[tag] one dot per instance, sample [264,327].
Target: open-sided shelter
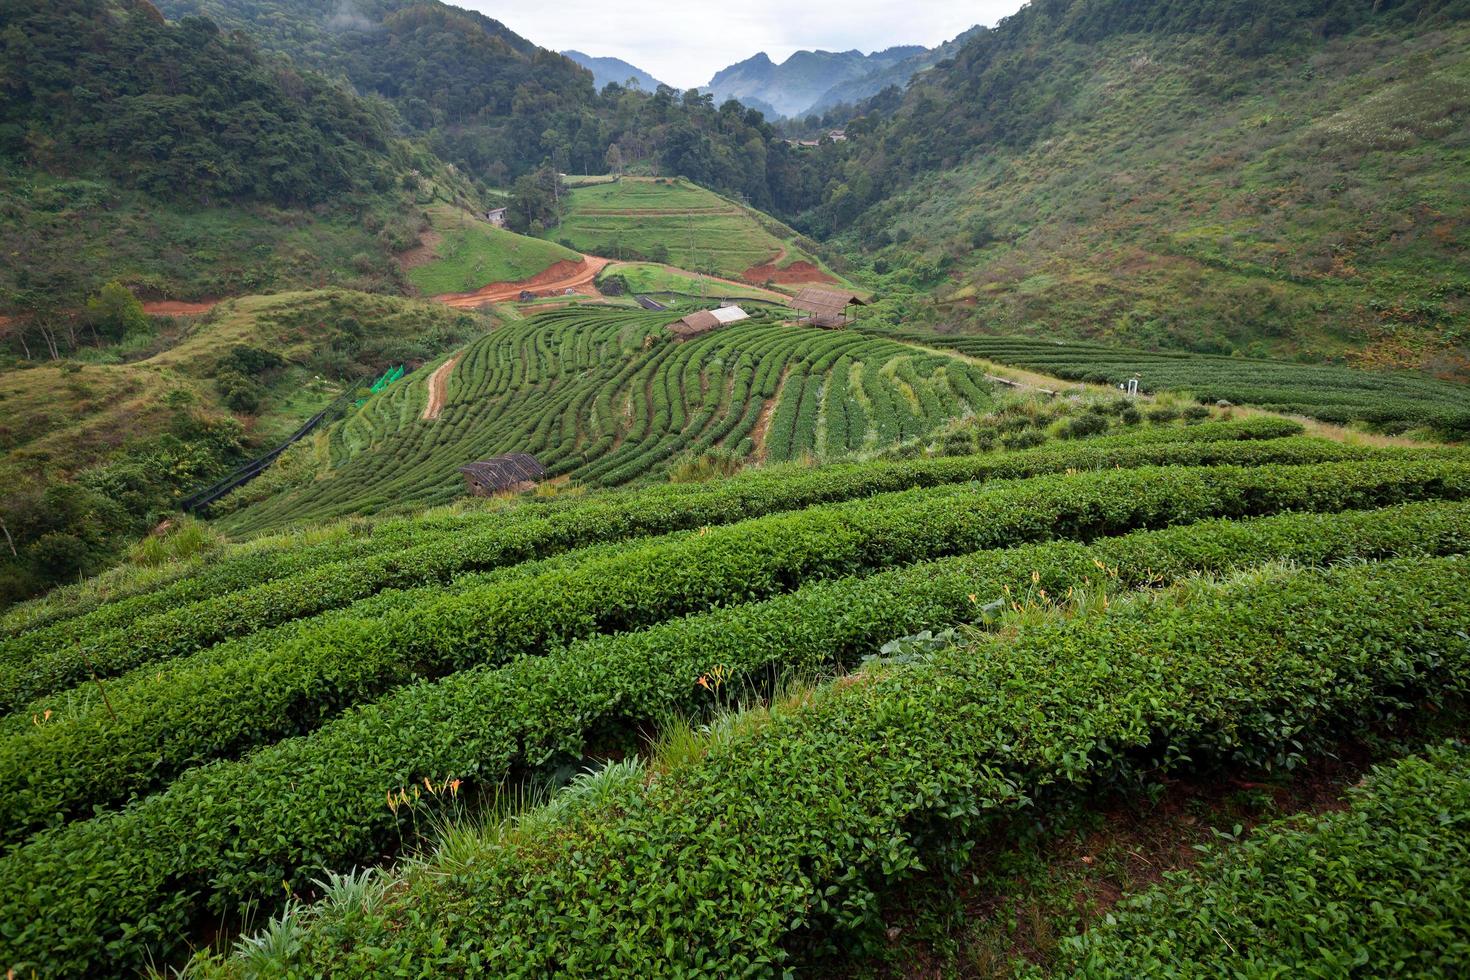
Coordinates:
[825,307]
[503,474]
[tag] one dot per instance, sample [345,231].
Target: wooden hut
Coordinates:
[503,474]
[704,321]
[825,307]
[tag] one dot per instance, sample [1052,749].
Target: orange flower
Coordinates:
[702,682]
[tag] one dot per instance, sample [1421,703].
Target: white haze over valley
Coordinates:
[684,42]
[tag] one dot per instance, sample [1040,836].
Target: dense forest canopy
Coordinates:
[499,107]
[177,109]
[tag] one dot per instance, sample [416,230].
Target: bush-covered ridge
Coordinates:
[792,819]
[124,882]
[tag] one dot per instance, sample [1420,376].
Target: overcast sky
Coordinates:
[684,42]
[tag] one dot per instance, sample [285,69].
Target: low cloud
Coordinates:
[347,17]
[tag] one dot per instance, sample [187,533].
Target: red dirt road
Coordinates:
[564,275]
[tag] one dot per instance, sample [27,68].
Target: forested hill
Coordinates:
[1267,178]
[180,110]
[484,93]
[497,106]
[1011,85]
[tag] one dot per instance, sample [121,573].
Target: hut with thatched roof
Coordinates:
[826,308]
[503,474]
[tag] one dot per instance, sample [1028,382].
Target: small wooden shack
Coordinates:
[704,321]
[827,308]
[503,474]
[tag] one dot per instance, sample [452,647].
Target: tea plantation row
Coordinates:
[535,527]
[1385,883]
[608,397]
[794,818]
[1389,401]
[161,719]
[111,893]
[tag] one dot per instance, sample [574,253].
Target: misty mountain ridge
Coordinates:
[794,86]
[606,71]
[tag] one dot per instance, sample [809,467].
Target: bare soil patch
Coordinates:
[795,274]
[426,251]
[438,386]
[559,277]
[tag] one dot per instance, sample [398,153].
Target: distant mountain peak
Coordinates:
[805,80]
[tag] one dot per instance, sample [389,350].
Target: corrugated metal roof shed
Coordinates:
[730,314]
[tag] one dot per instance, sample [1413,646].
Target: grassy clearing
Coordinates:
[671,221]
[652,277]
[468,253]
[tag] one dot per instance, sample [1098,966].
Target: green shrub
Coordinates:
[1023,439]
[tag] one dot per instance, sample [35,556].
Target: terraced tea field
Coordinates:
[684,225]
[1385,401]
[338,712]
[606,397]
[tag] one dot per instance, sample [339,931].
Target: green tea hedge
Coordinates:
[1381,888]
[796,819]
[752,559]
[108,893]
[161,720]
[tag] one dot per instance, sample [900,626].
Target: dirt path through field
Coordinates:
[438,387]
[763,420]
[560,277]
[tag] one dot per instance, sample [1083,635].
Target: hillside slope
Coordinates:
[1186,176]
[680,223]
[608,397]
[402,670]
[182,162]
[97,452]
